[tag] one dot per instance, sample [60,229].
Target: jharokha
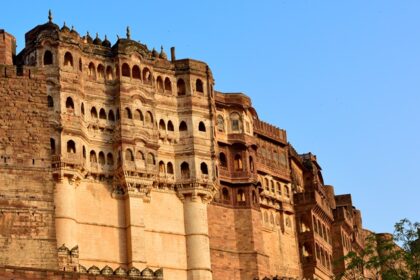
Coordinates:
[117,162]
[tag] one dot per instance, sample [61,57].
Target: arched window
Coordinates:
[102,114]
[52,146]
[80,65]
[170,168]
[93,158]
[204,169]
[151,159]
[117,117]
[238,162]
[185,170]
[222,159]
[183,126]
[84,152]
[101,71]
[68,59]
[235,122]
[149,118]
[50,102]
[48,58]
[129,155]
[69,103]
[286,190]
[201,127]
[161,167]
[71,147]
[266,184]
[220,123]
[136,72]
[125,70]
[109,73]
[168,85]
[251,164]
[162,125]
[199,86]
[111,116]
[128,113]
[82,108]
[180,85]
[109,159]
[138,115]
[147,76]
[254,198]
[92,72]
[140,156]
[240,196]
[225,194]
[101,158]
[278,188]
[170,126]
[93,113]
[272,186]
[159,84]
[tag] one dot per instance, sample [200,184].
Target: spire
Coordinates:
[50,16]
[128,33]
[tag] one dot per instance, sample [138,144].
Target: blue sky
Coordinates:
[342,77]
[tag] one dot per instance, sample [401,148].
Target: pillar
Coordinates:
[65,216]
[197,238]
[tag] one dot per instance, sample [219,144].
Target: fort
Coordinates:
[119,162]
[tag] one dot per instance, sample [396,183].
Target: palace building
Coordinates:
[119,162]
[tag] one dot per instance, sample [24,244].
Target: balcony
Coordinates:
[270,131]
[237,176]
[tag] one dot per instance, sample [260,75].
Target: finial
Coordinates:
[106,38]
[161,48]
[97,36]
[72,28]
[128,33]
[118,37]
[50,15]
[64,24]
[87,33]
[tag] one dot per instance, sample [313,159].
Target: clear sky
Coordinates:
[342,77]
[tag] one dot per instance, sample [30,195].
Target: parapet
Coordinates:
[270,131]
[343,200]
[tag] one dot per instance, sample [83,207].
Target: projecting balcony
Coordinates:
[237,176]
[241,138]
[313,199]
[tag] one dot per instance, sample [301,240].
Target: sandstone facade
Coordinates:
[118,160]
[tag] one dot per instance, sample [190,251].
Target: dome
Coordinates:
[88,38]
[97,41]
[65,28]
[106,43]
[162,53]
[154,53]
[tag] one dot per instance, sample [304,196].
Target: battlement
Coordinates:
[270,131]
[21,71]
[7,48]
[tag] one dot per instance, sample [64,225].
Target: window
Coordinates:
[162,125]
[93,158]
[69,103]
[225,194]
[235,122]
[138,115]
[168,85]
[220,123]
[128,113]
[84,152]
[50,102]
[222,159]
[180,85]
[80,65]
[170,168]
[110,159]
[129,155]
[101,158]
[92,72]
[183,126]
[139,155]
[48,58]
[159,84]
[161,167]
[136,72]
[101,71]
[52,146]
[102,114]
[93,113]
[201,127]
[125,70]
[254,197]
[170,126]
[111,116]
[147,76]
[204,169]
[151,159]
[199,86]
[286,191]
[251,164]
[185,170]
[149,118]
[238,162]
[82,108]
[68,59]
[109,73]
[71,147]
[240,196]
[278,188]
